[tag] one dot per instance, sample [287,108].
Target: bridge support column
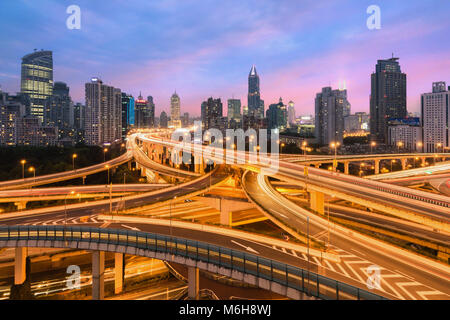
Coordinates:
[226,216]
[317,202]
[98,275]
[423,160]
[193,283]
[21,205]
[317,165]
[377,166]
[346,167]
[129,165]
[403,164]
[20,263]
[118,272]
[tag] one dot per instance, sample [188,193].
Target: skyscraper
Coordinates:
[234,109]
[37,80]
[388,97]
[103,113]
[163,121]
[291,112]
[127,113]
[254,95]
[59,110]
[144,113]
[277,116]
[435,118]
[212,111]
[151,112]
[329,119]
[175,110]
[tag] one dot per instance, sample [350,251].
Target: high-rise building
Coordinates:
[185,120]
[329,119]
[37,80]
[59,110]
[291,112]
[388,97]
[405,134]
[151,112]
[127,113]
[163,121]
[435,118]
[356,122]
[79,117]
[144,113]
[175,110]
[212,112]
[277,116]
[11,111]
[254,95]
[103,113]
[234,109]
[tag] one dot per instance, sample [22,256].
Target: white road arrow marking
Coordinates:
[132,228]
[245,247]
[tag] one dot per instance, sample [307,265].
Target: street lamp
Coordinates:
[32,169]
[335,145]
[399,145]
[73,161]
[420,145]
[372,144]
[22,162]
[304,144]
[438,145]
[104,154]
[107,167]
[392,161]
[282,145]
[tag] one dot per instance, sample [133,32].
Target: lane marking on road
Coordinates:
[132,228]
[245,247]
[383,280]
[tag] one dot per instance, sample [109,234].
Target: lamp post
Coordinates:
[107,167]
[304,144]
[282,145]
[73,161]
[104,154]
[22,162]
[438,145]
[335,145]
[32,169]
[399,145]
[372,144]
[420,145]
[392,161]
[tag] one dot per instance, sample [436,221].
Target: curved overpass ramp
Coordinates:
[266,273]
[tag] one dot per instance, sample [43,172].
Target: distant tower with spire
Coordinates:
[254,95]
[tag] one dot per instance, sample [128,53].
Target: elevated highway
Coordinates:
[398,265]
[66,175]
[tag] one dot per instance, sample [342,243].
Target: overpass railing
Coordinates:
[286,275]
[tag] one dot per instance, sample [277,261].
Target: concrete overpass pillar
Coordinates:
[20,263]
[202,165]
[129,165]
[403,163]
[346,167]
[118,272]
[317,165]
[21,205]
[317,201]
[226,216]
[377,166]
[193,283]
[98,275]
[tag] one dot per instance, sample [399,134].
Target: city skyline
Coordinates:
[202,62]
